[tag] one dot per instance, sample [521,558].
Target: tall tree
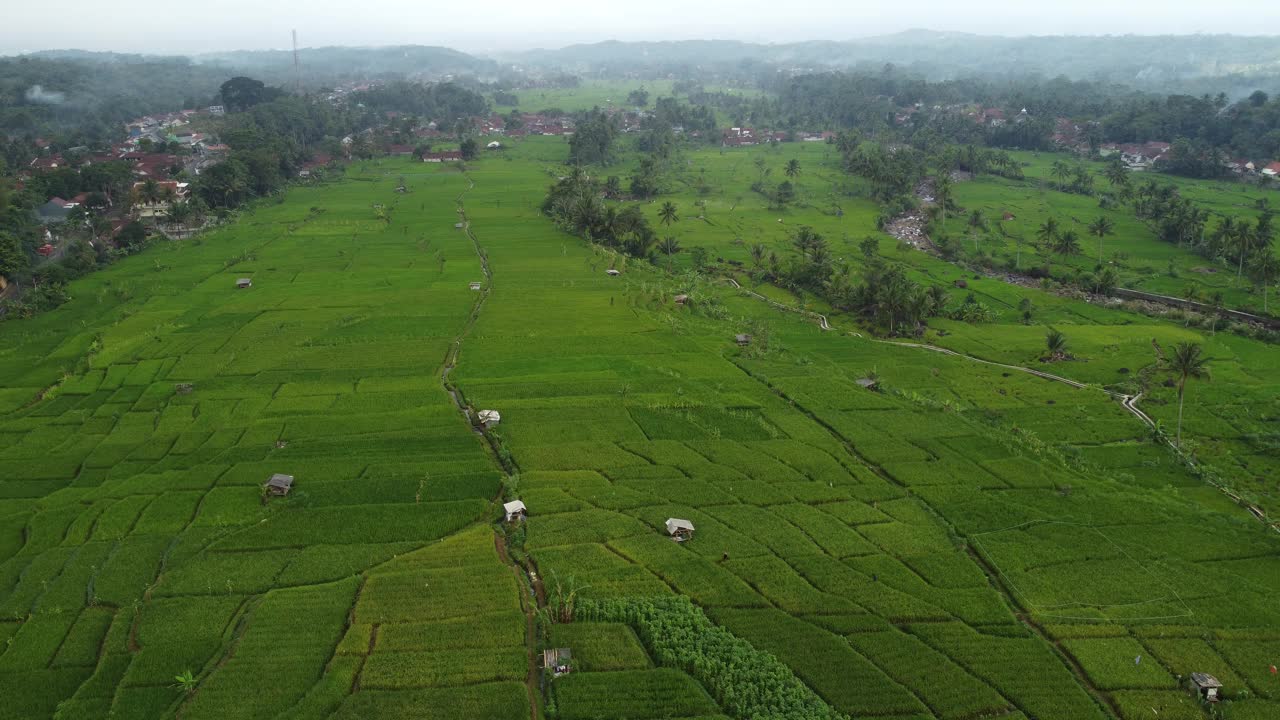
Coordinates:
[669,246]
[1265,268]
[1101,227]
[793,168]
[1060,172]
[1187,361]
[1066,244]
[668,214]
[977,224]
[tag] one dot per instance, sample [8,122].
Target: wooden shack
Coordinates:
[243,283]
[279,484]
[679,529]
[489,418]
[556,661]
[742,339]
[475,286]
[1205,686]
[613,272]
[682,299]
[867,383]
[514,511]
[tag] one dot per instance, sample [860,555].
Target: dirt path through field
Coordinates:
[529,597]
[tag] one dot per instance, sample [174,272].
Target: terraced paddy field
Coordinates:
[898,554]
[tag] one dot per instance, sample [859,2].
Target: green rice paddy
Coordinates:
[969,542]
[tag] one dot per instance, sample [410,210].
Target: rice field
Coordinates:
[968,542]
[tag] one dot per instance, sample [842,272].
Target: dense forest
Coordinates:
[1194,64]
[85,98]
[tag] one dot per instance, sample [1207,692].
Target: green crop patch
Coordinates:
[500,701]
[632,695]
[1064,570]
[456,666]
[1118,664]
[826,662]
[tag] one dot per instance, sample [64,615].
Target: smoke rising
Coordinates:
[38,94]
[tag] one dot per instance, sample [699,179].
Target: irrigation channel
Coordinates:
[1128,402]
[531,596]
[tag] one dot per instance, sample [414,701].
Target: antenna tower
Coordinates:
[297,74]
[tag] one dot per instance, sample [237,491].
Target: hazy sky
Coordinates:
[521,24]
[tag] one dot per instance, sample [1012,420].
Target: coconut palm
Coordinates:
[1264,268]
[1060,172]
[793,168]
[1117,174]
[977,224]
[1186,362]
[668,214]
[1243,243]
[945,196]
[1066,244]
[669,246]
[758,254]
[1048,231]
[1101,228]
[1056,343]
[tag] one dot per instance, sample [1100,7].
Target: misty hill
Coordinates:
[326,64]
[1147,62]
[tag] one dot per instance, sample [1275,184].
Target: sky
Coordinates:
[499,25]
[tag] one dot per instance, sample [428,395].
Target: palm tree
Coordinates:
[669,246]
[1056,343]
[793,168]
[149,193]
[1048,231]
[945,196]
[1186,362]
[977,223]
[1067,244]
[668,214]
[1264,268]
[1117,174]
[758,251]
[612,187]
[1101,227]
[1047,234]
[1243,242]
[1060,172]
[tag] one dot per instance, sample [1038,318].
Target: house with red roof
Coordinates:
[445,156]
[738,137]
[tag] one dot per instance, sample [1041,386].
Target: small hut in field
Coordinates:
[556,661]
[679,529]
[743,340]
[244,283]
[867,383]
[613,272]
[682,299]
[1205,686]
[475,286]
[489,418]
[514,511]
[279,484]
